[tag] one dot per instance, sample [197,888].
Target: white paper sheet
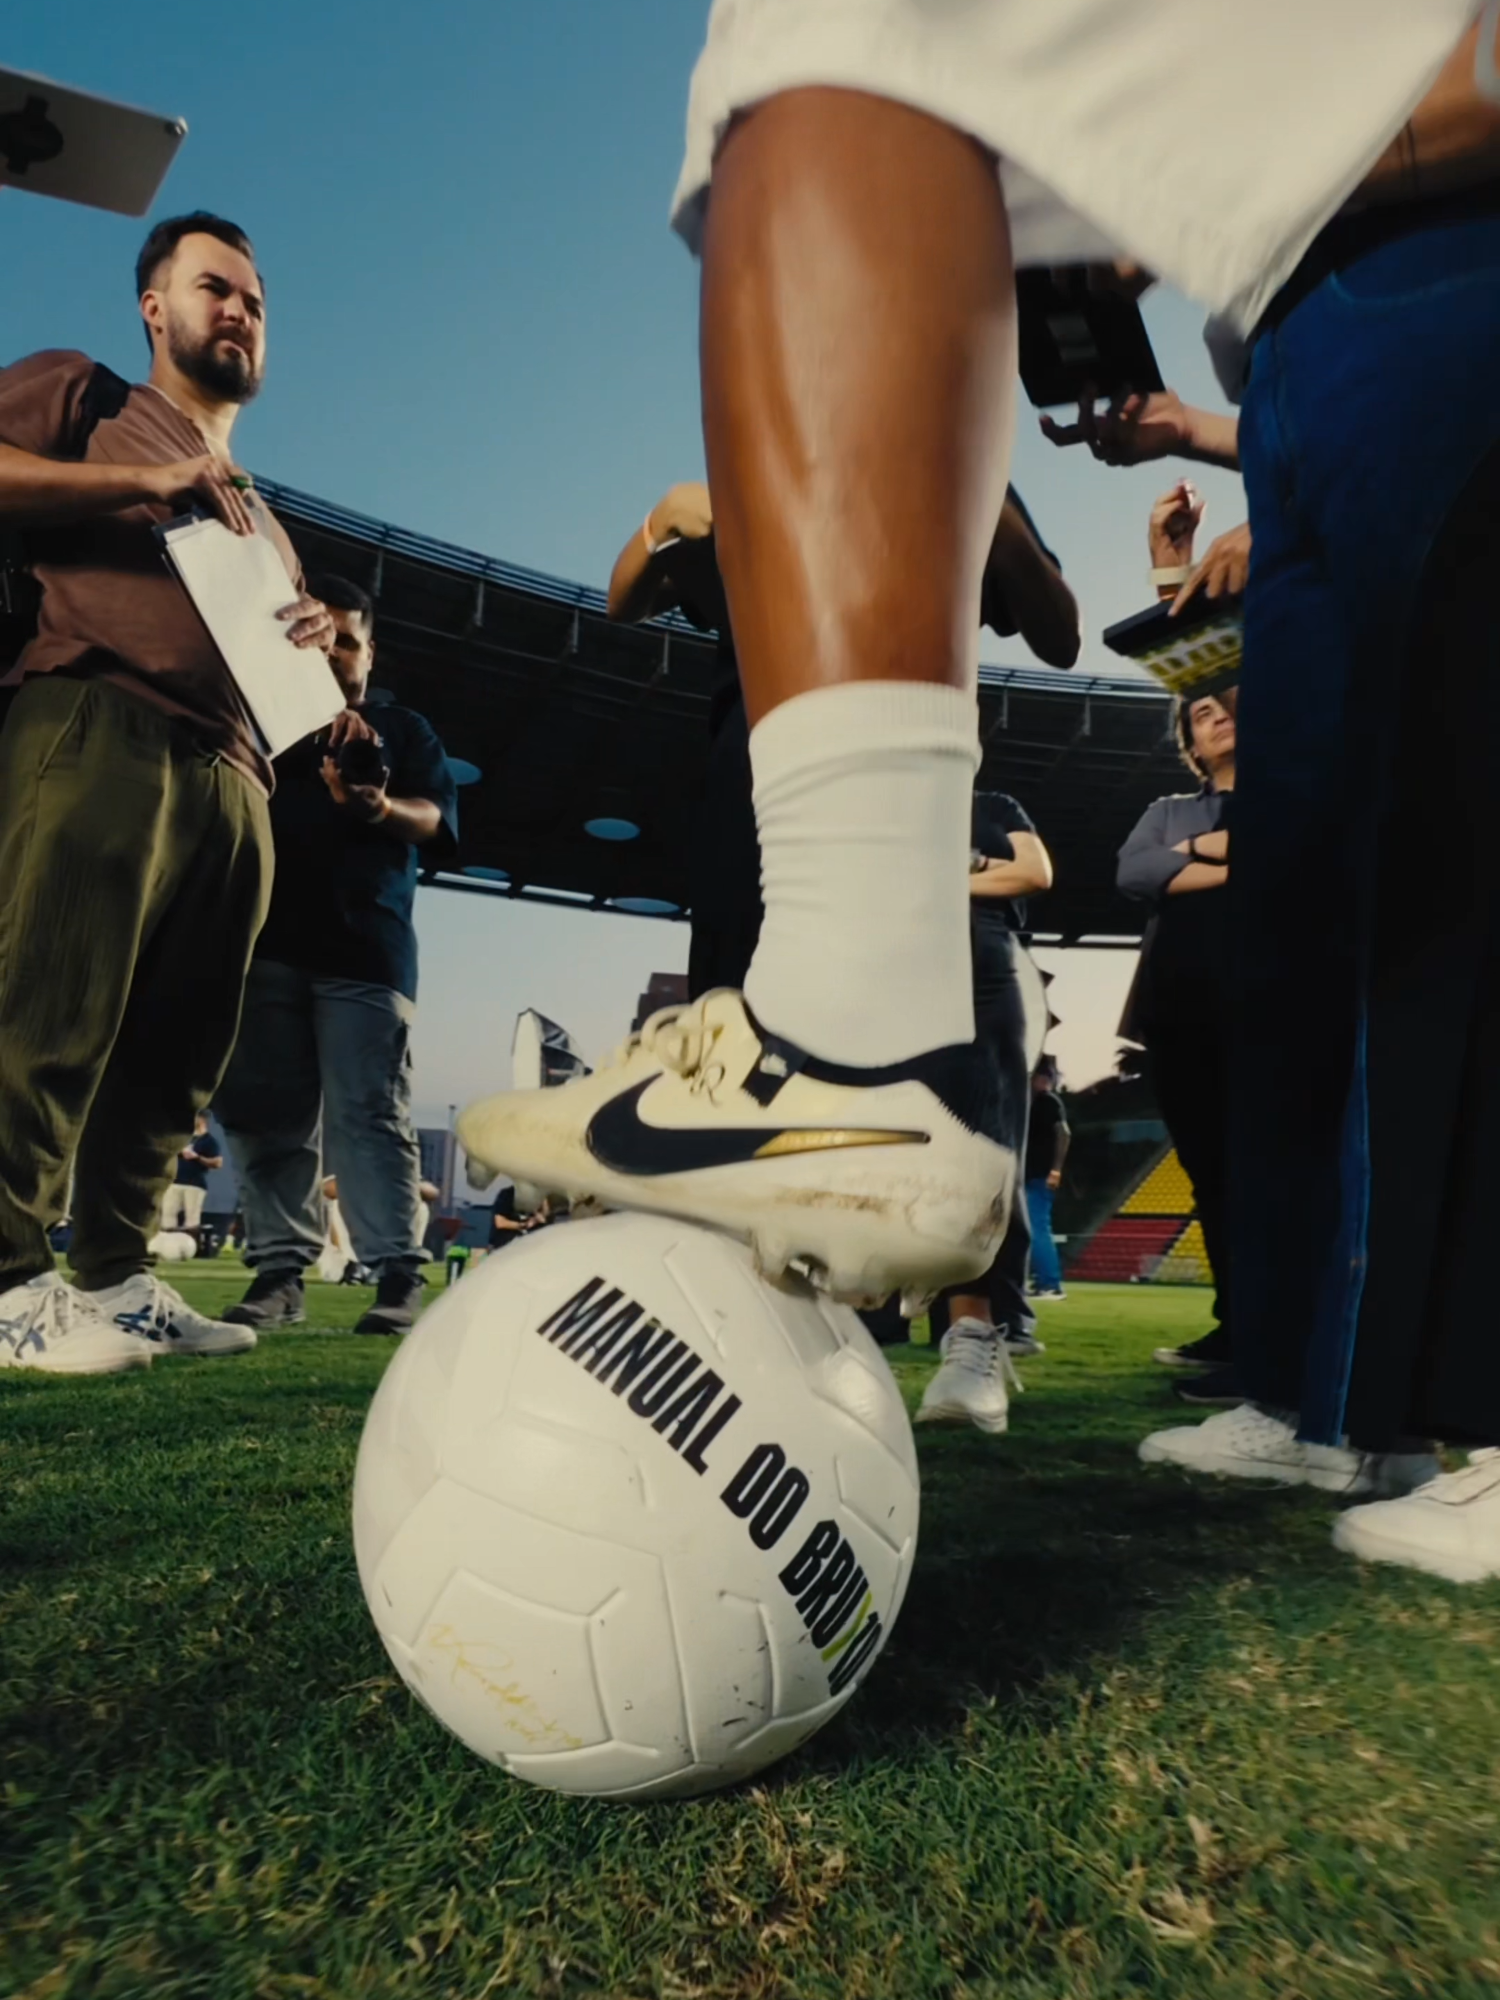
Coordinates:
[238,584]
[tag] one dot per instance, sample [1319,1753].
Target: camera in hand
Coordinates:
[1075,341]
[361,761]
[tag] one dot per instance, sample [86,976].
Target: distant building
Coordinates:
[439,1149]
[663,989]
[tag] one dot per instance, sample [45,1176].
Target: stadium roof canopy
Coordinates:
[570,721]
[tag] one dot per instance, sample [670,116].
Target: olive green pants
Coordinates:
[135,869]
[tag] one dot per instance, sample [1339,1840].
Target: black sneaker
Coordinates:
[398,1301]
[274,1299]
[1216,1388]
[1212,1351]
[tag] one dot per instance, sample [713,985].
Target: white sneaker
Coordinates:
[152,1313]
[973,1384]
[1450,1527]
[48,1326]
[865,1188]
[1246,1443]
[1020,1342]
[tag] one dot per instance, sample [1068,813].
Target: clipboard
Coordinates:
[1200,652]
[237,584]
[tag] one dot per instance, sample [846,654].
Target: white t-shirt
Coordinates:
[1209,140]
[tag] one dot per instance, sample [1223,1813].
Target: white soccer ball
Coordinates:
[630,1522]
[173,1246]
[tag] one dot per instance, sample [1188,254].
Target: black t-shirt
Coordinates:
[504,1210]
[194,1173]
[1182,986]
[1048,1118]
[342,901]
[996,816]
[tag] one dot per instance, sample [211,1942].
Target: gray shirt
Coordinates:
[1147,862]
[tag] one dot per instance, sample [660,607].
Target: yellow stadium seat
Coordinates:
[1186,1263]
[1166,1190]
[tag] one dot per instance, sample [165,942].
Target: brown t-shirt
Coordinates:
[110,605]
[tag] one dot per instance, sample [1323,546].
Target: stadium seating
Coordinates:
[1152,1235]
[1186,1263]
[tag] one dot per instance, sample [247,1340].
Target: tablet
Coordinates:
[1198,652]
[75,147]
[1074,341]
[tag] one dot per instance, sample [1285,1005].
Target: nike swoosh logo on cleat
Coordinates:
[621,1140]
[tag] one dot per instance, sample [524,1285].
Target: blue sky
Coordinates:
[482,328]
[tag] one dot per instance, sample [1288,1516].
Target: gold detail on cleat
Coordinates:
[811,1140]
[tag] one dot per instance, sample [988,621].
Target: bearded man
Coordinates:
[135,845]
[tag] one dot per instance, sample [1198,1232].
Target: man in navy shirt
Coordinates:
[324,1052]
[182,1204]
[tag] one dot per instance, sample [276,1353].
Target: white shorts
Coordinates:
[182,1207]
[1208,140]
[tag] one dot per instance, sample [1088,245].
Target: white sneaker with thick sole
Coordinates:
[863,1183]
[1450,1527]
[1247,1443]
[162,1320]
[973,1384]
[48,1327]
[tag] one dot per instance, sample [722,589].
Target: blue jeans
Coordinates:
[1046,1268]
[320,1083]
[1370,409]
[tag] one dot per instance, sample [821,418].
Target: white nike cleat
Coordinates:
[1248,1443]
[864,1182]
[48,1327]
[1449,1527]
[152,1314]
[974,1382]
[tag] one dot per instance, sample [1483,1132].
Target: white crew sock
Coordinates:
[862,795]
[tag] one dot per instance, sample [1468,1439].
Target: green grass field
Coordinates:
[1133,1735]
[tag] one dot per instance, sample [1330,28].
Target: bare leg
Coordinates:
[858,390]
[969,1305]
[858,363]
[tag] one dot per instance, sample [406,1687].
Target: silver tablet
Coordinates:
[79,148]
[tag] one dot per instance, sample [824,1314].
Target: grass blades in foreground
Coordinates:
[1135,1734]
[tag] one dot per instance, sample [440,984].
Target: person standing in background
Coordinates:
[1047,1142]
[323,1061]
[135,845]
[182,1204]
[670,564]
[1177,859]
[989,1318]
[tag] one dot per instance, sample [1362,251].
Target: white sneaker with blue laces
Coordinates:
[863,1182]
[974,1382]
[161,1320]
[48,1327]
